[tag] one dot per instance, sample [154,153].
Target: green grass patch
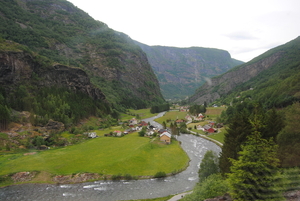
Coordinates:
[218,136]
[171,115]
[130,154]
[143,113]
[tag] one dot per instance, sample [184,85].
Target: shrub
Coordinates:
[128,177]
[160,175]
[211,187]
[116,177]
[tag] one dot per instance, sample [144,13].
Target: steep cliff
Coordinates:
[22,68]
[181,71]
[65,34]
[276,66]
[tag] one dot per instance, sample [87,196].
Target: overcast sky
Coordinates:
[245,28]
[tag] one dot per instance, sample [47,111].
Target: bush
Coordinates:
[213,186]
[116,177]
[160,175]
[128,177]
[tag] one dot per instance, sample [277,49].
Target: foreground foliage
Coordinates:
[211,187]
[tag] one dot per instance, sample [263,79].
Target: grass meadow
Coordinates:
[130,154]
[171,115]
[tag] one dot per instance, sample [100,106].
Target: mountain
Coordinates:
[180,71]
[272,78]
[66,35]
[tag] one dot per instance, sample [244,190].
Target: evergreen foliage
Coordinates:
[160,108]
[59,32]
[239,119]
[196,109]
[208,165]
[289,138]
[253,175]
[276,87]
[56,103]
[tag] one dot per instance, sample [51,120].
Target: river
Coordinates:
[194,146]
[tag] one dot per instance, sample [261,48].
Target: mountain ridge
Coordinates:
[253,74]
[182,70]
[58,30]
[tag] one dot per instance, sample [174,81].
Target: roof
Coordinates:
[165,133]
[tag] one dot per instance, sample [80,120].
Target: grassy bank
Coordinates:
[130,154]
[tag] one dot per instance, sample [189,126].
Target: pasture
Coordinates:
[131,154]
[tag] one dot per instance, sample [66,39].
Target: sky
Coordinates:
[245,28]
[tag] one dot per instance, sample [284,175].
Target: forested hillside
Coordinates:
[64,34]
[180,71]
[272,79]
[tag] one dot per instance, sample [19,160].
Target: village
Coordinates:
[165,134]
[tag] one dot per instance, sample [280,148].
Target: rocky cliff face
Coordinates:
[221,85]
[67,35]
[17,68]
[182,70]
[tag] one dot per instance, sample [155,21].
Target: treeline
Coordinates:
[259,158]
[55,103]
[160,108]
[196,109]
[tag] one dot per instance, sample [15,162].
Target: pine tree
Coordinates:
[237,133]
[289,138]
[253,175]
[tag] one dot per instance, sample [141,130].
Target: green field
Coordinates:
[130,154]
[171,115]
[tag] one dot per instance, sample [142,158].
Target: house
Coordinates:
[212,123]
[199,117]
[117,133]
[143,123]
[133,121]
[165,137]
[92,135]
[180,121]
[211,130]
[161,131]
[150,133]
[189,118]
[199,127]
[206,127]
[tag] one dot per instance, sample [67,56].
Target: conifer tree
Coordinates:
[237,133]
[253,175]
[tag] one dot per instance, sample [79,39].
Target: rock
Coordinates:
[55,126]
[223,84]
[78,178]
[23,176]
[292,195]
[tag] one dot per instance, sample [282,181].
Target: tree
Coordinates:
[208,165]
[213,186]
[253,175]
[289,138]
[237,133]
[164,124]
[142,133]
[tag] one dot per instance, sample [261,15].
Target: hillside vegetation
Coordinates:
[272,79]
[180,71]
[62,33]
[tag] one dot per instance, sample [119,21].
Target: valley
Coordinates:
[87,111]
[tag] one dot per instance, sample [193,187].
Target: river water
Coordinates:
[194,146]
